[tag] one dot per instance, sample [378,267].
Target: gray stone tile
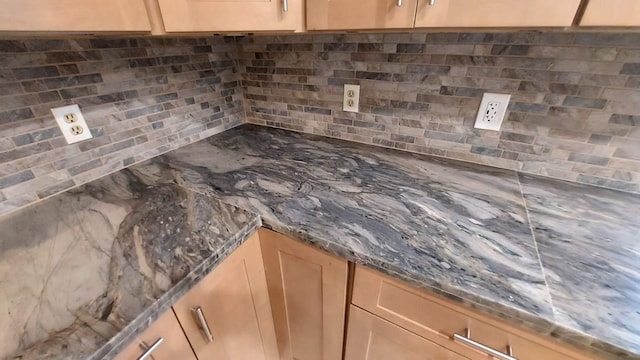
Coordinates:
[599,139]
[589,159]
[585,102]
[16,178]
[631,69]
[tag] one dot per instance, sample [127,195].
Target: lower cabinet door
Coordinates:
[372,338]
[227,316]
[308,292]
[163,340]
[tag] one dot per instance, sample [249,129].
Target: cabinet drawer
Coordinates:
[438,320]
[166,334]
[372,338]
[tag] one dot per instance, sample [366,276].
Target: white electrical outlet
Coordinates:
[72,123]
[351,100]
[492,110]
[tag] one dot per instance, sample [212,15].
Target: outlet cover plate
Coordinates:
[73,125]
[351,101]
[492,110]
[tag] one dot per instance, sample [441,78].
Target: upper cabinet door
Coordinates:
[236,15]
[612,13]
[74,15]
[360,14]
[496,13]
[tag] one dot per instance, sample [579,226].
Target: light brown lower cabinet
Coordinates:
[438,320]
[163,340]
[227,316]
[308,296]
[372,338]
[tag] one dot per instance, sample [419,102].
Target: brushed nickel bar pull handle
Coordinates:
[478,346]
[150,349]
[432,2]
[285,5]
[202,322]
[399,3]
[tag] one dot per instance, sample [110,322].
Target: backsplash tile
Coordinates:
[141,97]
[574,112]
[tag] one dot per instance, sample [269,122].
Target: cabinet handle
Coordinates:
[432,2]
[399,3]
[466,339]
[202,322]
[285,5]
[150,349]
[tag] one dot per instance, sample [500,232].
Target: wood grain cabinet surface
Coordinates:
[235,310]
[372,338]
[237,15]
[308,296]
[437,320]
[173,344]
[496,13]
[612,13]
[360,14]
[74,16]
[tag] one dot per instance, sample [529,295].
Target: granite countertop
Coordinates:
[97,265]
[561,259]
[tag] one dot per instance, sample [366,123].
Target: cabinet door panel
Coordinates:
[437,319]
[372,338]
[238,15]
[308,298]
[612,13]
[235,304]
[73,15]
[174,344]
[496,13]
[360,14]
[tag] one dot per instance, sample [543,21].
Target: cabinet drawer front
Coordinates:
[360,14]
[496,13]
[238,15]
[372,338]
[170,342]
[73,15]
[612,13]
[438,319]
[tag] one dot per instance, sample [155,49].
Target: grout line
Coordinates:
[535,243]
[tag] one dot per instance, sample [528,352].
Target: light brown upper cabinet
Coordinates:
[236,15]
[74,16]
[308,290]
[612,13]
[163,340]
[496,13]
[227,316]
[360,14]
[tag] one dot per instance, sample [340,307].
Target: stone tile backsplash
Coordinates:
[574,113]
[141,97]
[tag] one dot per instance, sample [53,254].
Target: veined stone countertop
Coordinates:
[561,259]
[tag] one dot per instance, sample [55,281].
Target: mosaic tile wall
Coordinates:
[140,97]
[574,114]
[575,111]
